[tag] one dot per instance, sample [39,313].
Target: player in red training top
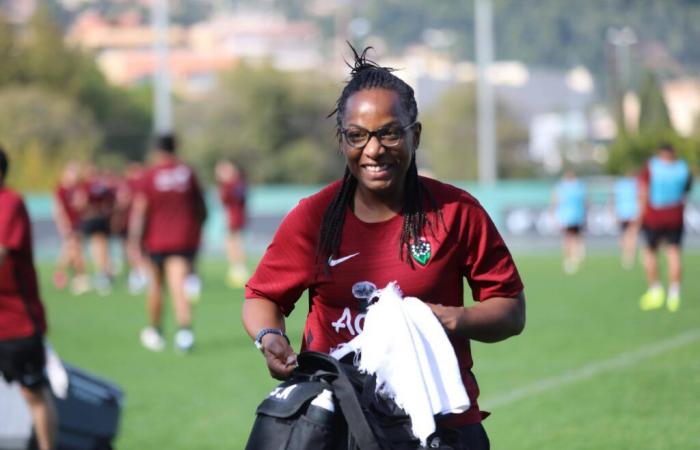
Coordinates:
[22,320]
[96,200]
[67,219]
[664,186]
[233,192]
[382,223]
[168,214]
[125,188]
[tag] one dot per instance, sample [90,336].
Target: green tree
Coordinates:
[38,56]
[653,114]
[273,123]
[8,53]
[630,151]
[448,142]
[45,58]
[41,130]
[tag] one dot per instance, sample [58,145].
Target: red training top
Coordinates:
[233,196]
[99,198]
[18,281]
[65,196]
[466,245]
[176,208]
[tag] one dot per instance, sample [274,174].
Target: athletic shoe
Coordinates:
[103,284]
[627,264]
[80,284]
[653,298]
[152,339]
[184,340]
[137,281]
[236,277]
[570,267]
[60,280]
[673,302]
[193,287]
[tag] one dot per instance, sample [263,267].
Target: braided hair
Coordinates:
[366,74]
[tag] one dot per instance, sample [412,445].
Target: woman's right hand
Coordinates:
[279,355]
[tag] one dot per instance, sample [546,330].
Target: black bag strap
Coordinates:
[344,391]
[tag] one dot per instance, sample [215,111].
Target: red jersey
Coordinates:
[233,196]
[176,208]
[467,246]
[66,198]
[123,197]
[99,198]
[19,292]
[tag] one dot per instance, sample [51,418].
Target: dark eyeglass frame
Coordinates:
[378,133]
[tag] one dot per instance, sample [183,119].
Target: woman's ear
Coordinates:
[340,147]
[340,142]
[417,129]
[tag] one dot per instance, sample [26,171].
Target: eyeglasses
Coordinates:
[389,136]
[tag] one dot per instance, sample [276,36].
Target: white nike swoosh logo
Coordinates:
[334,262]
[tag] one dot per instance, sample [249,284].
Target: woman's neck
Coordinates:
[372,207]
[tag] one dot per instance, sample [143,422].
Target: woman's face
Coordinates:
[380,166]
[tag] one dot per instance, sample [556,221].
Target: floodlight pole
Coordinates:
[162,106]
[485,110]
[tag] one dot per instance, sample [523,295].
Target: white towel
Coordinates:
[405,346]
[58,377]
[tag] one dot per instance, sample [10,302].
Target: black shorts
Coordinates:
[625,224]
[672,236]
[159,258]
[23,360]
[573,229]
[96,225]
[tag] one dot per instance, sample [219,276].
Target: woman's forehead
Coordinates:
[377,101]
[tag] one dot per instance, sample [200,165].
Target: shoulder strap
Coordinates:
[344,391]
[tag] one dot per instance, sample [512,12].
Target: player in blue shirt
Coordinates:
[569,203]
[626,202]
[664,186]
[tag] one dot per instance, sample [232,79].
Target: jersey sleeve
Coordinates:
[488,265]
[12,226]
[287,267]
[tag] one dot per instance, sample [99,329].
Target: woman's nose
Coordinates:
[374,147]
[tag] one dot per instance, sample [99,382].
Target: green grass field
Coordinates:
[591,371]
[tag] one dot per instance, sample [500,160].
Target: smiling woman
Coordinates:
[381,223]
[378,159]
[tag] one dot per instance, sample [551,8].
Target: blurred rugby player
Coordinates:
[22,318]
[168,213]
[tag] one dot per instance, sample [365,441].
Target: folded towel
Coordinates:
[405,346]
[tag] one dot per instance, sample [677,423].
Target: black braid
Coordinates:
[366,74]
[334,217]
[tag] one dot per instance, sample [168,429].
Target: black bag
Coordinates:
[287,420]
[88,418]
[89,415]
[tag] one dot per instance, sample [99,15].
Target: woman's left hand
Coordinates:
[491,320]
[449,316]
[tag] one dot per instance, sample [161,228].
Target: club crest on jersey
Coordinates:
[421,251]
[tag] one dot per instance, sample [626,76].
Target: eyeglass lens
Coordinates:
[388,136]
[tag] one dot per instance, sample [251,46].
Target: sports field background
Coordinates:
[591,371]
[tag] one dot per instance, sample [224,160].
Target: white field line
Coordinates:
[590,370]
